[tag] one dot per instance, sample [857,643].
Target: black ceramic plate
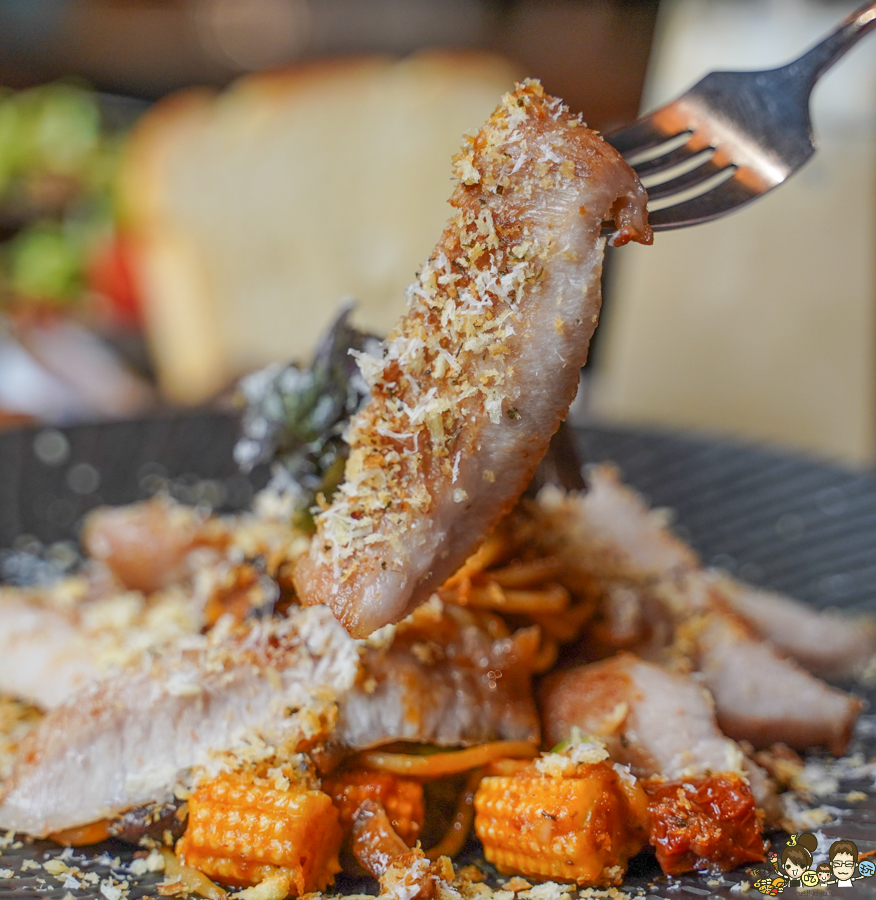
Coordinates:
[789,523]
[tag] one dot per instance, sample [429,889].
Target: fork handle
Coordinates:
[815,62]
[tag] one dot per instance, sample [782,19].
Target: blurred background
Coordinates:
[188,188]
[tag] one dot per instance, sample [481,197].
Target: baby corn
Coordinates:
[576,823]
[402,798]
[243,830]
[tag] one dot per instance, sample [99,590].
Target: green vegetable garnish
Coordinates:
[294,416]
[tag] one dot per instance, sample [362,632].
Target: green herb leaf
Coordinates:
[294,416]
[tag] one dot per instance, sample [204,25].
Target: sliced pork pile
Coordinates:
[655,600]
[659,722]
[477,377]
[765,698]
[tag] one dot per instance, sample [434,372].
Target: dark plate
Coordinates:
[789,523]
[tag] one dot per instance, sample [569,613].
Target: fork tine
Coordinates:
[683,182]
[675,157]
[639,136]
[726,197]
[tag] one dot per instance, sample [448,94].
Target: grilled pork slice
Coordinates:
[826,643]
[704,791]
[611,533]
[660,723]
[764,698]
[56,640]
[158,543]
[444,680]
[256,694]
[43,653]
[760,695]
[158,572]
[476,378]
[130,740]
[147,546]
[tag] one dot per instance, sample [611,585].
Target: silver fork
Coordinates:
[733,136]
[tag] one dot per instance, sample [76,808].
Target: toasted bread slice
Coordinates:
[253,213]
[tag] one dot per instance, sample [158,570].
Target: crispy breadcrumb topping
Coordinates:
[566,759]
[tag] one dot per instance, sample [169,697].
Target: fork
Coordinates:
[733,136]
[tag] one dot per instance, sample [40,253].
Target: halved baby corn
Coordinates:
[243,830]
[402,798]
[552,818]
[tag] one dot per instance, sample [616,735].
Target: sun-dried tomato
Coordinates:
[705,823]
